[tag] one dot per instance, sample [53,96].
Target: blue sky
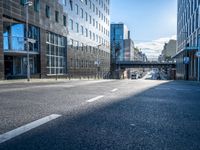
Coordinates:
[151,22]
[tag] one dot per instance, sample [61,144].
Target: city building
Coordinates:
[139,56]
[122,49]
[188,40]
[119,36]
[65,38]
[169,50]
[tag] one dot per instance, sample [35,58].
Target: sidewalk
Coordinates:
[44,80]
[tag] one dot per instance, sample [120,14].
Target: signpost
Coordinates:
[198,54]
[186,60]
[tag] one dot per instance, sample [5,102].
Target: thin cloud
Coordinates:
[153,48]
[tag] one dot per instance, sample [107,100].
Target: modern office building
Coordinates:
[120,42]
[66,37]
[188,40]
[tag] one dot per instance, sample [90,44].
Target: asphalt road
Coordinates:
[102,115]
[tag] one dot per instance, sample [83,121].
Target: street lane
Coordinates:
[141,114]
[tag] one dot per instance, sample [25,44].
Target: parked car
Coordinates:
[135,76]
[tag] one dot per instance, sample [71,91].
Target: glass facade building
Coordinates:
[119,32]
[188,40]
[70,36]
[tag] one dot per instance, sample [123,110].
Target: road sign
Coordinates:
[186,60]
[31,40]
[198,54]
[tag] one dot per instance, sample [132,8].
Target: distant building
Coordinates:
[168,51]
[120,42]
[128,50]
[188,40]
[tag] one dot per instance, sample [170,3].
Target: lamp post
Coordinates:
[98,61]
[27,5]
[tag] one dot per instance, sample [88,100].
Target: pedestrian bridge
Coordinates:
[140,64]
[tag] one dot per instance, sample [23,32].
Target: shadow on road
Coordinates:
[162,117]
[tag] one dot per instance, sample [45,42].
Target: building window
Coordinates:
[56,16]
[82,13]
[56,54]
[71,4]
[71,24]
[86,32]
[97,24]
[14,37]
[47,11]
[65,2]
[90,35]
[64,20]
[22,2]
[77,27]
[90,19]
[36,5]
[93,7]
[82,30]
[93,36]
[86,16]
[94,22]
[76,7]
[90,4]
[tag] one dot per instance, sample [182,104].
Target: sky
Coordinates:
[151,22]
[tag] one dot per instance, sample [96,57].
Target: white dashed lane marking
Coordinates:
[114,90]
[18,131]
[94,99]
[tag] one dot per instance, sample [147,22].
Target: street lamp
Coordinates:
[26,6]
[98,61]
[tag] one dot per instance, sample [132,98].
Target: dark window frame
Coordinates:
[56,16]
[47,11]
[64,20]
[37,5]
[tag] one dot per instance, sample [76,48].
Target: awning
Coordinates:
[193,48]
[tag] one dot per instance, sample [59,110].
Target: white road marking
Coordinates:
[18,131]
[162,88]
[114,90]
[35,87]
[95,99]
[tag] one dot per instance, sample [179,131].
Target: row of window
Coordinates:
[88,33]
[48,12]
[98,26]
[86,16]
[92,50]
[90,4]
[80,63]
[188,19]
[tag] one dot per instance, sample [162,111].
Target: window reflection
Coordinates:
[14,37]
